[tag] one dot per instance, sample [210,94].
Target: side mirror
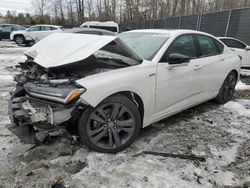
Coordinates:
[248,48]
[176,58]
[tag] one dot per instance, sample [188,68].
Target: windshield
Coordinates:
[145,45]
[115,51]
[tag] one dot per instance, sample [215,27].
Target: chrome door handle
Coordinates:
[197,67]
[222,59]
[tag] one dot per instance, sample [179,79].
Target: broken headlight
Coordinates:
[64,94]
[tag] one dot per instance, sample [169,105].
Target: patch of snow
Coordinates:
[6,77]
[238,108]
[242,86]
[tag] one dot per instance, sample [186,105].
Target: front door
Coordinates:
[174,85]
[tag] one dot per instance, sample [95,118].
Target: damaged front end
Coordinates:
[41,102]
[47,95]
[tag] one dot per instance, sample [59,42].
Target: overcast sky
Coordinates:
[15,5]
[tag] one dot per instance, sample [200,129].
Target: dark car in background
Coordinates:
[6,29]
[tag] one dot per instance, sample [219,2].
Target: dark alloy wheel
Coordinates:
[227,89]
[111,126]
[19,39]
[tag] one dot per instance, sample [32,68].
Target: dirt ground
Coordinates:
[221,134]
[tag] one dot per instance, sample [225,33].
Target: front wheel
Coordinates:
[19,39]
[112,126]
[227,89]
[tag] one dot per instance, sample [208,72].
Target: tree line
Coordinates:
[72,13]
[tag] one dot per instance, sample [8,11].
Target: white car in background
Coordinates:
[240,48]
[109,25]
[109,87]
[34,33]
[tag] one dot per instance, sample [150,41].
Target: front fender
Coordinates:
[137,79]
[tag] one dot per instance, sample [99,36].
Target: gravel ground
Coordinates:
[221,134]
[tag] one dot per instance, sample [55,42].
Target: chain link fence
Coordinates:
[231,23]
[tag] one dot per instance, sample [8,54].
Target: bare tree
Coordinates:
[40,6]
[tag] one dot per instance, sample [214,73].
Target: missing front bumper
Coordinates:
[29,116]
[24,132]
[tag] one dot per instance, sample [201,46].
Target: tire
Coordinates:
[19,39]
[227,89]
[112,126]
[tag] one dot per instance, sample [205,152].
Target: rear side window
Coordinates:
[207,45]
[233,43]
[220,47]
[182,45]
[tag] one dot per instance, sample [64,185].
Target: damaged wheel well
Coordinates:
[136,99]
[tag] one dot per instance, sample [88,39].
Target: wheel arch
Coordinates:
[236,73]
[133,96]
[16,35]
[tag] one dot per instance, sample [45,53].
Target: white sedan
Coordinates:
[109,87]
[240,48]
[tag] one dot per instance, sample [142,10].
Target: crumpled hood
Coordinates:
[64,48]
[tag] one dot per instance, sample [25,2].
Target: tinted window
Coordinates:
[220,47]
[145,45]
[182,45]
[233,43]
[208,45]
[113,29]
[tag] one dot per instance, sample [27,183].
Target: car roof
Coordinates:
[97,23]
[169,32]
[47,25]
[79,29]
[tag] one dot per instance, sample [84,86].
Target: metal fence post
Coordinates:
[197,22]
[165,23]
[201,17]
[228,22]
[180,22]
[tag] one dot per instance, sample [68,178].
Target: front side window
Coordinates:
[145,45]
[182,45]
[233,43]
[35,28]
[207,45]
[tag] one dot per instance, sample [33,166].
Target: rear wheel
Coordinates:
[227,89]
[19,39]
[111,126]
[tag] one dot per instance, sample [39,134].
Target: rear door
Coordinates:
[209,70]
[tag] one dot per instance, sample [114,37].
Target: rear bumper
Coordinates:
[24,132]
